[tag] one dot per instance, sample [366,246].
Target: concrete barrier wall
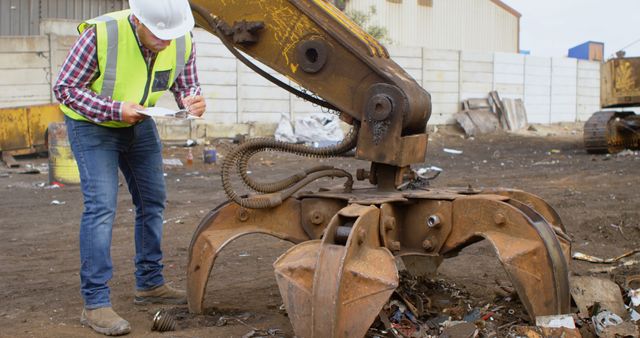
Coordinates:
[553,89]
[25,65]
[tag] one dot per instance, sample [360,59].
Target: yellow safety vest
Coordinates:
[124,74]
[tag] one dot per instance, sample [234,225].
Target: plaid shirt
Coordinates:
[80,69]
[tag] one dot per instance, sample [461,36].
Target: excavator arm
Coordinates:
[316,46]
[342,271]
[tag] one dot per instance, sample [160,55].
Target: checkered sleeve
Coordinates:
[77,73]
[187,82]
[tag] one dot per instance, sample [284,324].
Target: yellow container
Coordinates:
[62,164]
[23,129]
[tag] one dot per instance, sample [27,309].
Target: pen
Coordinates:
[193,92]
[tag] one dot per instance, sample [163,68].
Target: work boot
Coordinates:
[106,321]
[163,294]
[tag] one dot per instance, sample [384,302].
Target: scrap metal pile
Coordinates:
[423,307]
[487,115]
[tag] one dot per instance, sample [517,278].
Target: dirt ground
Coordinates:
[596,196]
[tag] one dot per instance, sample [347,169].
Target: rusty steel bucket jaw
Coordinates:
[534,252]
[226,223]
[335,287]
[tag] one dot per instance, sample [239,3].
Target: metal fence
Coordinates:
[22,17]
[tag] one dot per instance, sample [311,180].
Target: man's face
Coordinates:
[149,40]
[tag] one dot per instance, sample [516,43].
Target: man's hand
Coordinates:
[129,114]
[195,105]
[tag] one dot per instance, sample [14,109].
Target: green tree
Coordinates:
[363,19]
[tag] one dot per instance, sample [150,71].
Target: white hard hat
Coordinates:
[166,19]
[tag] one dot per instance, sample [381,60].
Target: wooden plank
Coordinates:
[8,160]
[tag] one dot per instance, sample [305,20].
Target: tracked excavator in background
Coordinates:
[342,270]
[611,131]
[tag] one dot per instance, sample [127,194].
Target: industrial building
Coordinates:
[489,25]
[27,17]
[473,25]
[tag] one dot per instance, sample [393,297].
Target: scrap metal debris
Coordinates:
[172,162]
[452,151]
[587,291]
[264,333]
[604,320]
[486,115]
[593,259]
[423,307]
[163,321]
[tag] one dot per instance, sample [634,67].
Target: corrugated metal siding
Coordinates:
[22,17]
[19,17]
[477,25]
[79,9]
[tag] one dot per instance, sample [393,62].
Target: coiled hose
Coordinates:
[276,192]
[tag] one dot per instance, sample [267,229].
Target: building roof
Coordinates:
[507,8]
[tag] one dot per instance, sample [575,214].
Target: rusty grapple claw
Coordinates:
[342,271]
[350,275]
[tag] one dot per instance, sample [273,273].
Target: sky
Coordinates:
[551,27]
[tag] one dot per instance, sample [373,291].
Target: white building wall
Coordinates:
[487,27]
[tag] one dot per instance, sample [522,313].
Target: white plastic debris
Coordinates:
[452,151]
[635,316]
[635,297]
[556,321]
[56,202]
[284,131]
[605,319]
[172,162]
[426,170]
[321,128]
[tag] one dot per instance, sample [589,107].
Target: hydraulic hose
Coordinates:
[280,190]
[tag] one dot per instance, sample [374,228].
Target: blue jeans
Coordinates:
[99,152]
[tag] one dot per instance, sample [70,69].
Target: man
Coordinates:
[121,63]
